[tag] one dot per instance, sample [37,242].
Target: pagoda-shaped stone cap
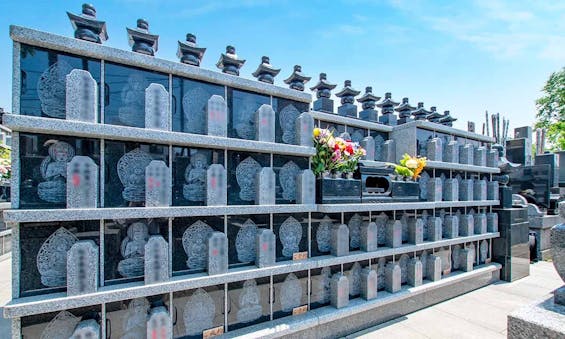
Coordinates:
[420,113]
[265,72]
[368,100]
[347,93]
[229,62]
[387,104]
[404,109]
[434,116]
[447,119]
[140,40]
[323,88]
[189,52]
[297,79]
[87,27]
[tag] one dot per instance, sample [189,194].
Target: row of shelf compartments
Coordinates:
[277,295]
[113,237]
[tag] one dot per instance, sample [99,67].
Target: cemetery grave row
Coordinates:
[156,198]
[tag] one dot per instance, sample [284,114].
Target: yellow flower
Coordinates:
[316,132]
[412,163]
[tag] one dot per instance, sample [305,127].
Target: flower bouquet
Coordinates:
[409,167]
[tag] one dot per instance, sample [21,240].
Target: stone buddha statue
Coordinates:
[133,250]
[54,170]
[195,176]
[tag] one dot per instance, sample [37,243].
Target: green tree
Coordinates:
[551,111]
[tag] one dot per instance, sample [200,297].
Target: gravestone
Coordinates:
[217,116]
[157,184]
[340,240]
[265,247]
[423,184]
[466,260]
[435,191]
[492,158]
[217,253]
[81,101]
[483,251]
[393,277]
[265,123]
[339,286]
[403,263]
[451,190]
[480,156]
[89,328]
[369,237]
[216,186]
[434,149]
[369,282]
[444,255]
[480,220]
[393,233]
[368,144]
[415,272]
[451,152]
[306,188]
[424,259]
[82,183]
[466,225]
[159,325]
[466,190]
[381,273]
[379,148]
[82,268]
[480,189]
[434,229]
[304,126]
[450,227]
[389,151]
[265,187]
[492,222]
[434,268]
[381,220]
[404,222]
[157,107]
[415,231]
[354,278]
[466,154]
[156,260]
[455,257]
[354,225]
[492,190]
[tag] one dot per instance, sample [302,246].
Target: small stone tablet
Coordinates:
[369,282]
[156,260]
[339,286]
[81,96]
[82,268]
[304,126]
[217,253]
[82,183]
[217,120]
[265,123]
[340,240]
[157,107]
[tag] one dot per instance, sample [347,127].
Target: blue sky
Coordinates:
[462,56]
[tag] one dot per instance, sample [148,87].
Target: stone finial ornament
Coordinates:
[347,95]
[297,79]
[188,52]
[140,40]
[387,109]
[420,113]
[368,102]
[87,27]
[229,63]
[434,116]
[447,119]
[265,72]
[404,111]
[323,88]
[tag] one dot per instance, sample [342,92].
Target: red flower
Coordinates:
[349,148]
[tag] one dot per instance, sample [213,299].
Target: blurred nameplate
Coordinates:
[300,310]
[300,255]
[213,332]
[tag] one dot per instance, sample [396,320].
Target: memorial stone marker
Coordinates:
[480,156]
[88,328]
[265,123]
[435,190]
[369,237]
[466,225]
[492,222]
[340,240]
[434,229]
[81,96]
[415,231]
[393,233]
[156,260]
[393,276]
[369,281]
[480,223]
[159,325]
[389,151]
[216,186]
[381,220]
[265,248]
[304,125]
[217,116]
[415,272]
[466,190]
[451,152]
[466,154]
[435,149]
[368,144]
[157,107]
[451,190]
[480,189]
[450,227]
[217,253]
[492,190]
[157,184]
[306,188]
[265,186]
[466,258]
[434,268]
[339,290]
[82,268]
[82,183]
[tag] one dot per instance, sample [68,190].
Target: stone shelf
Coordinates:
[461,167]
[401,206]
[445,129]
[46,215]
[60,301]
[125,57]
[338,119]
[332,317]
[23,123]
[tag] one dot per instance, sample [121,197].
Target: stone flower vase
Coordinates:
[558,252]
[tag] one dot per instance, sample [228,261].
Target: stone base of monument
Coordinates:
[359,314]
[512,248]
[543,319]
[541,226]
[338,191]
